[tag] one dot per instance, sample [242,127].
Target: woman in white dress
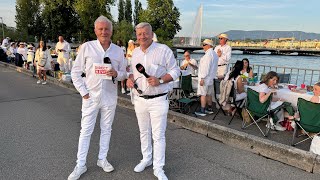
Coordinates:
[43,59]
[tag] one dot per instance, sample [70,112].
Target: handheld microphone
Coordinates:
[136,87]
[142,70]
[107,60]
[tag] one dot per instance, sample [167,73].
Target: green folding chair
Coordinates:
[309,120]
[257,111]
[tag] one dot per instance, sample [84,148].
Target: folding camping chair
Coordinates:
[236,103]
[309,120]
[216,87]
[257,111]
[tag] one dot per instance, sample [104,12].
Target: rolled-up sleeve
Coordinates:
[77,71]
[172,69]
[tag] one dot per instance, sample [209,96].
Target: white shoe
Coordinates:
[39,81]
[159,173]
[105,165]
[142,165]
[77,172]
[123,90]
[278,127]
[271,122]
[44,83]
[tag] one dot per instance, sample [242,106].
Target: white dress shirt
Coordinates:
[65,46]
[225,54]
[158,60]
[190,70]
[98,89]
[208,67]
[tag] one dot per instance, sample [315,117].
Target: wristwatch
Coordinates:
[161,81]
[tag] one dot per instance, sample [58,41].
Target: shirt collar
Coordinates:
[149,48]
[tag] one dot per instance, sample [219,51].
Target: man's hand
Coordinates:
[219,52]
[153,81]
[86,96]
[112,72]
[202,82]
[130,82]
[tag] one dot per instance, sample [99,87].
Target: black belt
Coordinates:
[152,96]
[222,64]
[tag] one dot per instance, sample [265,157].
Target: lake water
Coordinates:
[297,77]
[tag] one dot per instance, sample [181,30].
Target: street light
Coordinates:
[2,28]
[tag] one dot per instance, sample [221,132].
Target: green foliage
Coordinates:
[88,12]
[59,18]
[137,10]
[27,15]
[123,31]
[164,19]
[121,15]
[128,11]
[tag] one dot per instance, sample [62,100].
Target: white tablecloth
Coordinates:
[288,95]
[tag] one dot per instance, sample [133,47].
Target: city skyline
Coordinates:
[221,16]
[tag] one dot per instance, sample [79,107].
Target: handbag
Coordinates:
[43,60]
[315,145]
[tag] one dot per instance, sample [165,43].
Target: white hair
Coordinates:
[142,25]
[102,19]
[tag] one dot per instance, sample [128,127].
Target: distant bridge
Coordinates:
[257,50]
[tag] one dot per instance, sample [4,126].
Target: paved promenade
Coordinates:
[39,132]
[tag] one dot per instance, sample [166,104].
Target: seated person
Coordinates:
[316,93]
[266,88]
[235,76]
[189,66]
[247,70]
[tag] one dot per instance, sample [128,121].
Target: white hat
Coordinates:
[208,41]
[223,36]
[29,46]
[131,41]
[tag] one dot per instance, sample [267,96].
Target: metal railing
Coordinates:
[297,75]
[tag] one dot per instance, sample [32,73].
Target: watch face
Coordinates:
[161,81]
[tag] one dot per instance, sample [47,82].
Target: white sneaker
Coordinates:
[142,165]
[105,165]
[278,127]
[271,122]
[77,172]
[123,90]
[39,81]
[44,83]
[159,173]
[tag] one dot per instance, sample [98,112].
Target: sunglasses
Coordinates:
[204,44]
[221,38]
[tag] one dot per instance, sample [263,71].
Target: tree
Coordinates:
[27,15]
[59,18]
[121,15]
[88,12]
[164,19]
[128,11]
[123,31]
[137,10]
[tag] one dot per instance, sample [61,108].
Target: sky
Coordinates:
[220,16]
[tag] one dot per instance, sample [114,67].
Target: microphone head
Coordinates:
[107,60]
[140,68]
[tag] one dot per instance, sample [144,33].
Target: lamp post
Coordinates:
[2,28]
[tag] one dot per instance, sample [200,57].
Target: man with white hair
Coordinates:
[150,98]
[63,49]
[206,73]
[224,52]
[98,93]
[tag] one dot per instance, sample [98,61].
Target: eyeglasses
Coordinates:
[204,44]
[137,88]
[221,38]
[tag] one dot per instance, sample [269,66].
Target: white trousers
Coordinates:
[90,111]
[152,121]
[64,64]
